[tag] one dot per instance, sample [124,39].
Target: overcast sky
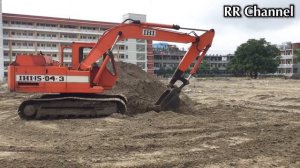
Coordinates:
[187,13]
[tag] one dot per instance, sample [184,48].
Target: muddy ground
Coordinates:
[238,123]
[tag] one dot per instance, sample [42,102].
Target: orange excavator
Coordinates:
[77,90]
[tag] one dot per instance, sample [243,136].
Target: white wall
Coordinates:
[131,43]
[1,46]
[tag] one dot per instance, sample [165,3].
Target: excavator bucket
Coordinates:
[169,100]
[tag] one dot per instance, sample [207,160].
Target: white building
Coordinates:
[137,48]
[288,63]
[27,34]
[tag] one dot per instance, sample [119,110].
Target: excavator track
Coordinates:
[55,106]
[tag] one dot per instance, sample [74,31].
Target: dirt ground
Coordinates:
[238,123]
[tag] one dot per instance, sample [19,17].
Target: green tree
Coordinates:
[203,68]
[255,56]
[215,70]
[297,54]
[165,71]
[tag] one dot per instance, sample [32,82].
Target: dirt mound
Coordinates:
[143,90]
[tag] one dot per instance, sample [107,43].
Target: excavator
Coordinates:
[78,89]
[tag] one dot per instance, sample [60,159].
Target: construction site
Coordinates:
[82,93]
[222,122]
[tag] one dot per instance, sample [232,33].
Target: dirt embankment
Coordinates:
[143,90]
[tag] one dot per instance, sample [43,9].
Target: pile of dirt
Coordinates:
[143,90]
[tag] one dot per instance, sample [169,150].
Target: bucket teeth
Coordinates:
[169,100]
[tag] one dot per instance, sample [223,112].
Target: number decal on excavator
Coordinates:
[40,78]
[149,32]
[51,78]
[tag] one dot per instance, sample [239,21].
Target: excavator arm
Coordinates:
[151,31]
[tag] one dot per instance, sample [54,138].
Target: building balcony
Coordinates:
[47,49]
[18,26]
[44,38]
[217,62]
[7,59]
[6,25]
[93,31]
[16,36]
[283,57]
[51,29]
[24,49]
[63,40]
[163,53]
[88,40]
[285,66]
[166,61]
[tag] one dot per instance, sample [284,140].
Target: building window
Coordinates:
[67,55]
[21,23]
[103,29]
[121,47]
[41,45]
[68,36]
[140,56]
[87,28]
[122,56]
[45,25]
[5,33]
[140,47]
[68,26]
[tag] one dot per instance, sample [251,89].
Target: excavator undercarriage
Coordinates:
[54,106]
